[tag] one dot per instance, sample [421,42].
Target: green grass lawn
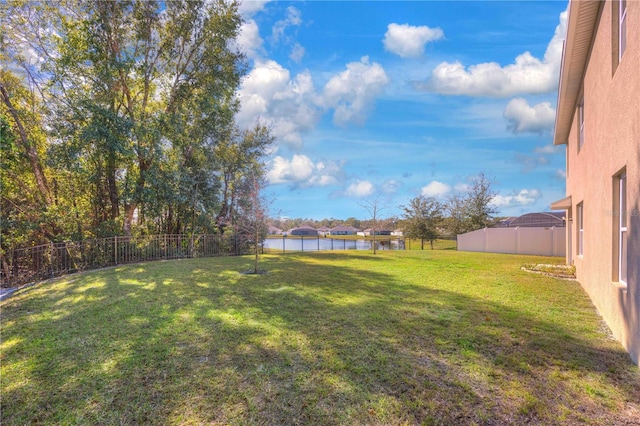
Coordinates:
[414,337]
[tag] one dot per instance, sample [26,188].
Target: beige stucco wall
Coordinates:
[612,142]
[533,241]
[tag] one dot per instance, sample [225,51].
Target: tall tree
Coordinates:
[455,221]
[239,155]
[422,218]
[27,197]
[122,113]
[148,89]
[472,209]
[480,203]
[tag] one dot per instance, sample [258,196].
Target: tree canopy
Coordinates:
[422,219]
[472,209]
[119,117]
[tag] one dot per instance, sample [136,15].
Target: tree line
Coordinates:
[118,117]
[424,218]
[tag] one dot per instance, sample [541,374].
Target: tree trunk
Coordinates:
[255,269]
[6,269]
[30,150]
[114,210]
[129,210]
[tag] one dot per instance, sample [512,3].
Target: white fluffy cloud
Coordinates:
[527,74]
[251,7]
[521,117]
[435,189]
[408,41]
[524,197]
[302,172]
[289,106]
[248,39]
[352,92]
[360,189]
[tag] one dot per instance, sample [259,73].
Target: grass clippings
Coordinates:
[415,337]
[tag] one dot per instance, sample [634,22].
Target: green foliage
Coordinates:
[130,108]
[472,209]
[423,218]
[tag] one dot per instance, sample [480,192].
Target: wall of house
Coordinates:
[534,241]
[612,143]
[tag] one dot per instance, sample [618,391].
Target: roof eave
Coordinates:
[563,204]
[583,15]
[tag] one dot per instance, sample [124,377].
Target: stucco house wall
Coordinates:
[610,90]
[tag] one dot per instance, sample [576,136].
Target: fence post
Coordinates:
[115,249]
[53,253]
[484,237]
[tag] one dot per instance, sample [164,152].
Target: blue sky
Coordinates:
[397,99]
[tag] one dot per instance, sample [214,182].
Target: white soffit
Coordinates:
[583,15]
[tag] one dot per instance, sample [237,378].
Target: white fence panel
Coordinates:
[534,241]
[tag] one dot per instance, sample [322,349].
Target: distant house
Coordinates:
[369,232]
[343,230]
[597,120]
[398,232]
[534,220]
[274,231]
[303,231]
[506,222]
[323,230]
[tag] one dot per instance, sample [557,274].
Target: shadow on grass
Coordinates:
[317,340]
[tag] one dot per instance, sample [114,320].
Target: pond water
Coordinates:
[320,244]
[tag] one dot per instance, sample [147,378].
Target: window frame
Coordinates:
[580,123]
[622,228]
[580,226]
[622,28]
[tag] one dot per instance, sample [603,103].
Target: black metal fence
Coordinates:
[24,265]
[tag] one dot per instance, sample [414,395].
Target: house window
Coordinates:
[622,228]
[580,218]
[581,124]
[622,37]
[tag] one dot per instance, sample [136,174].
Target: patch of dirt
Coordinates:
[565,272]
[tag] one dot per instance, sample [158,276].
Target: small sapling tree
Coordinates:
[253,209]
[374,207]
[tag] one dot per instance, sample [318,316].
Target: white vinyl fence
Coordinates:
[534,241]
